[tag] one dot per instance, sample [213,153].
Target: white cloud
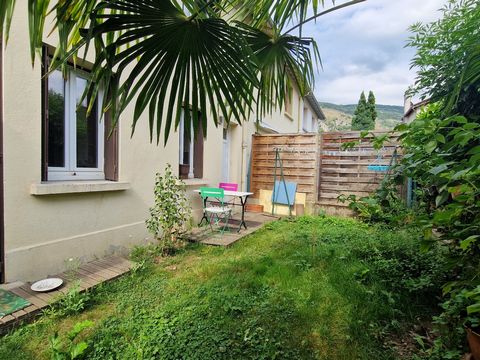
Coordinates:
[363,48]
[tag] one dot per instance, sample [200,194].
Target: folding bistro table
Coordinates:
[242,195]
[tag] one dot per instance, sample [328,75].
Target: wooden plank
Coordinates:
[120,261]
[346,179]
[7,319]
[298,165]
[353,153]
[46,297]
[337,170]
[31,298]
[331,202]
[109,274]
[346,162]
[120,266]
[334,195]
[19,314]
[269,156]
[95,271]
[300,182]
[348,187]
[91,276]
[261,172]
[107,268]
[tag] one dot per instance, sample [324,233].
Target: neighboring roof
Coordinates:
[267,128]
[416,106]
[312,100]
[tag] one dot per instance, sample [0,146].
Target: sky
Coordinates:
[363,48]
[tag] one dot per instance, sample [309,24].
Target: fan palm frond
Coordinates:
[182,53]
[280,58]
[6,13]
[179,61]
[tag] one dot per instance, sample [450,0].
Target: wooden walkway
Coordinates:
[88,275]
[254,221]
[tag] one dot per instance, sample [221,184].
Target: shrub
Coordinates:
[72,350]
[74,301]
[171,212]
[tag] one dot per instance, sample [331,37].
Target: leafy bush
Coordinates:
[171,212]
[73,302]
[445,50]
[71,350]
[441,153]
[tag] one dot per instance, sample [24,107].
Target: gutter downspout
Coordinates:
[300,100]
[242,149]
[2,203]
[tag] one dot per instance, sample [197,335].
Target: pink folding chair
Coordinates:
[229,187]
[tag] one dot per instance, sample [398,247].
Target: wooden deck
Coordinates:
[254,221]
[89,275]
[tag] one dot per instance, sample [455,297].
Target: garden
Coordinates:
[397,282]
[305,288]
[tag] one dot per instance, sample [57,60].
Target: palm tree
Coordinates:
[227,56]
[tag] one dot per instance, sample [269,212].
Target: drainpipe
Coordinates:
[191,175]
[300,100]
[2,207]
[243,148]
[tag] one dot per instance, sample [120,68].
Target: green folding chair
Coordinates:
[215,213]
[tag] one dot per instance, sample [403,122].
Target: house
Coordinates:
[71,191]
[411,110]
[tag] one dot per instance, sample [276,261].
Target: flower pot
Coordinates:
[474,343]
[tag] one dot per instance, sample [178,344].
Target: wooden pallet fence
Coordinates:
[319,165]
[346,171]
[299,154]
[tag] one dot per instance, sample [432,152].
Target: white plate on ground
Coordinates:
[46,285]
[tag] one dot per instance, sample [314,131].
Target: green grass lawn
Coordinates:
[313,288]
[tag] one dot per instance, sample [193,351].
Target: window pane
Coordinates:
[186,148]
[56,119]
[87,129]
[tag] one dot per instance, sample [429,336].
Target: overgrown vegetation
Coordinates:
[312,288]
[441,154]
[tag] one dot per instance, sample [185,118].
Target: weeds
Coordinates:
[310,288]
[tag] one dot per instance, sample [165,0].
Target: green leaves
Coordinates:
[71,350]
[171,212]
[165,55]
[465,244]
[448,58]
[282,61]
[430,146]
[181,61]
[6,13]
[37,11]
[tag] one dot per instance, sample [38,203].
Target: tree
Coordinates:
[362,117]
[447,57]
[372,108]
[222,57]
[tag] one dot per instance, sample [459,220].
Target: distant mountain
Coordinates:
[339,117]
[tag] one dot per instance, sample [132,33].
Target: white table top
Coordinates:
[232,193]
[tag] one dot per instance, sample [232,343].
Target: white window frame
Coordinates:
[70,171]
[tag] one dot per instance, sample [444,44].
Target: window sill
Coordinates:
[73,187]
[195,182]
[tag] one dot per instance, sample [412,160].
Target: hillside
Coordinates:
[339,117]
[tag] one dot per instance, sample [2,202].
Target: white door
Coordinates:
[226,156]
